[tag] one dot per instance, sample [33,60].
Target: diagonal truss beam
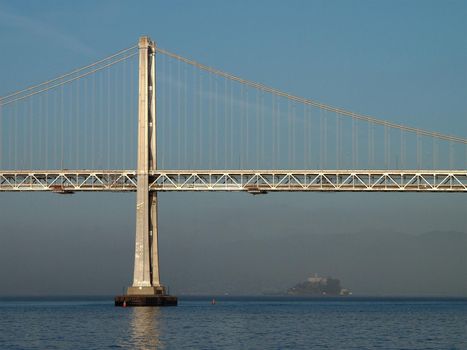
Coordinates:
[252,181]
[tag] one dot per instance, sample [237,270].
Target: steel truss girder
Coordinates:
[67,181]
[252,181]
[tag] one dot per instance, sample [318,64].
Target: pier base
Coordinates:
[146,300]
[146,296]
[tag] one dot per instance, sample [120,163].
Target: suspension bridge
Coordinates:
[94,129]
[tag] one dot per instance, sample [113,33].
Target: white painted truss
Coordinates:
[252,181]
[68,181]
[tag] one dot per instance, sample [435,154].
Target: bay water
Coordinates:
[235,323]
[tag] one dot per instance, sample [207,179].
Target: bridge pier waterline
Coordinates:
[146,289]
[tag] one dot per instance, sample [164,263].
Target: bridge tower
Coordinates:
[146,288]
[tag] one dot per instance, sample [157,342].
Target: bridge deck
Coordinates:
[252,181]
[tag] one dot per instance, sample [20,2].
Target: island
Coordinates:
[317,285]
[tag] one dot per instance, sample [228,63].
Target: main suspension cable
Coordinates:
[311,102]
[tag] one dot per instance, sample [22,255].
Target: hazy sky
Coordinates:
[404,61]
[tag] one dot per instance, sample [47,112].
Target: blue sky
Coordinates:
[404,61]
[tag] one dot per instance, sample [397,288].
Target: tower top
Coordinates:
[145,42]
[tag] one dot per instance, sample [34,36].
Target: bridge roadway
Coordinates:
[252,181]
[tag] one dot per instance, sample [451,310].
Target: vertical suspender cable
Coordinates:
[185,129]
[216,121]
[162,115]
[451,155]
[108,118]
[2,166]
[62,116]
[356,144]
[133,119]
[161,125]
[353,143]
[115,110]
[6,119]
[402,150]
[373,144]
[85,116]
[24,133]
[310,137]
[71,125]
[57,163]
[231,126]
[179,115]
[11,138]
[123,114]
[386,161]
[22,137]
[43,128]
[242,109]
[278,118]
[195,112]
[289,134]
[200,120]
[389,148]
[263,121]
[257,130]
[210,137]
[247,130]
[337,142]
[169,118]
[273,135]
[305,143]
[294,165]
[102,132]
[278,132]
[418,151]
[225,123]
[30,135]
[326,131]
[47,128]
[421,151]
[321,137]
[369,146]
[77,126]
[15,138]
[93,119]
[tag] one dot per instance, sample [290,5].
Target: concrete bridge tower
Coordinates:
[146,288]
